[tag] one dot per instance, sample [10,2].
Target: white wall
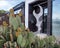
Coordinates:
[30,1]
[26,14]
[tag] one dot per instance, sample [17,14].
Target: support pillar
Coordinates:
[49,18]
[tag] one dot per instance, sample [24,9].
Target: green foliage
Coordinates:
[2,11]
[2,41]
[32,41]
[25,39]
[21,41]
[49,41]
[31,37]
[56,45]
[13,21]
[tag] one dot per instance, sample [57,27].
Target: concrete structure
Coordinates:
[34,8]
[47,4]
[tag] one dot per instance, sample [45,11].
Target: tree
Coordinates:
[2,11]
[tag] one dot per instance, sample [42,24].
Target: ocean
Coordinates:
[56,28]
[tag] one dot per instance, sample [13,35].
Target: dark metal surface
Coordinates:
[19,6]
[43,3]
[49,18]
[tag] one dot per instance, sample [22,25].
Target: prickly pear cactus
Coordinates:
[2,41]
[18,20]
[15,21]
[18,37]
[21,41]
[25,39]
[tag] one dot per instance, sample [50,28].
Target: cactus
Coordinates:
[2,41]
[18,37]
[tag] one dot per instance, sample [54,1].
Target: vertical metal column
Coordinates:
[49,18]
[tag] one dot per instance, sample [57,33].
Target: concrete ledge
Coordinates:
[41,35]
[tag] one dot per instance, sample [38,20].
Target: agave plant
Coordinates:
[25,39]
[49,42]
[2,41]
[56,45]
[29,40]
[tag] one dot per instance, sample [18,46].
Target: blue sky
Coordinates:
[56,9]
[7,4]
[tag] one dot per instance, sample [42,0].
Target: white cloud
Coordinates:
[5,5]
[8,4]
